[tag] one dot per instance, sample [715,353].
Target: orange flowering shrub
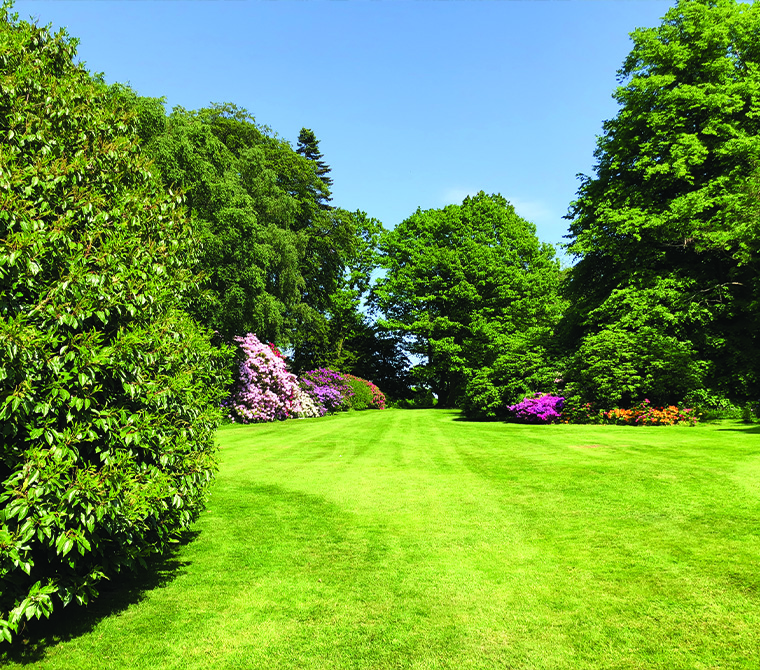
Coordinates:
[644,414]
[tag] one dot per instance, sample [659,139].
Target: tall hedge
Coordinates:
[109,393]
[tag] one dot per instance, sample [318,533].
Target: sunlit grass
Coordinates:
[410,539]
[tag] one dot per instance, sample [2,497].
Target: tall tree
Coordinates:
[270,254]
[664,284]
[308,147]
[459,282]
[348,340]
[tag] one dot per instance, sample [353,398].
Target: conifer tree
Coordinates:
[308,147]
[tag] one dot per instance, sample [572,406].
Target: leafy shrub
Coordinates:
[484,397]
[616,366]
[366,394]
[327,388]
[109,392]
[264,389]
[362,396]
[711,405]
[523,364]
[420,398]
[541,408]
[574,410]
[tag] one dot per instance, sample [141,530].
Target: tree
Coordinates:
[461,281]
[109,392]
[250,250]
[344,339]
[308,147]
[664,225]
[270,254]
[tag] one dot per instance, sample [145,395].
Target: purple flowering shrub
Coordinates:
[541,408]
[327,388]
[264,389]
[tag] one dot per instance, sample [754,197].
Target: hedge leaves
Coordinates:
[109,393]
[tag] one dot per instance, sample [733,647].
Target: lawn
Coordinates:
[412,539]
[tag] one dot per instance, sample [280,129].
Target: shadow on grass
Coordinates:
[743,429]
[484,419]
[116,595]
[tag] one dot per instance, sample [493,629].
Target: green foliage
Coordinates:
[109,393]
[466,285]
[669,222]
[523,364]
[362,397]
[341,340]
[417,398]
[616,366]
[249,249]
[308,147]
[711,405]
[575,410]
[269,253]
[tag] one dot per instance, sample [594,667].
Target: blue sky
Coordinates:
[415,103]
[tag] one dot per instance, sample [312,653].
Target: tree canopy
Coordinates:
[271,256]
[461,283]
[666,243]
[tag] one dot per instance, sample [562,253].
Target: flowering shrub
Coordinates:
[327,388]
[366,394]
[264,389]
[305,407]
[644,414]
[378,397]
[541,408]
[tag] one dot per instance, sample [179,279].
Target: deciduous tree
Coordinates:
[666,276]
[461,282]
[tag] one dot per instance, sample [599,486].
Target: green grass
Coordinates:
[410,539]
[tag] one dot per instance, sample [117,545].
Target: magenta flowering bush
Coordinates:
[541,408]
[265,390]
[327,388]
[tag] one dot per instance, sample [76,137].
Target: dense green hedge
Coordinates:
[109,393]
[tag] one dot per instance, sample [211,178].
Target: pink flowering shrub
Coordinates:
[265,390]
[541,408]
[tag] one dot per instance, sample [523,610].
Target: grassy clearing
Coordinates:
[410,539]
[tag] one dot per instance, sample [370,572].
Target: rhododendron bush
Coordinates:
[547,408]
[328,388]
[366,394]
[541,408]
[265,390]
